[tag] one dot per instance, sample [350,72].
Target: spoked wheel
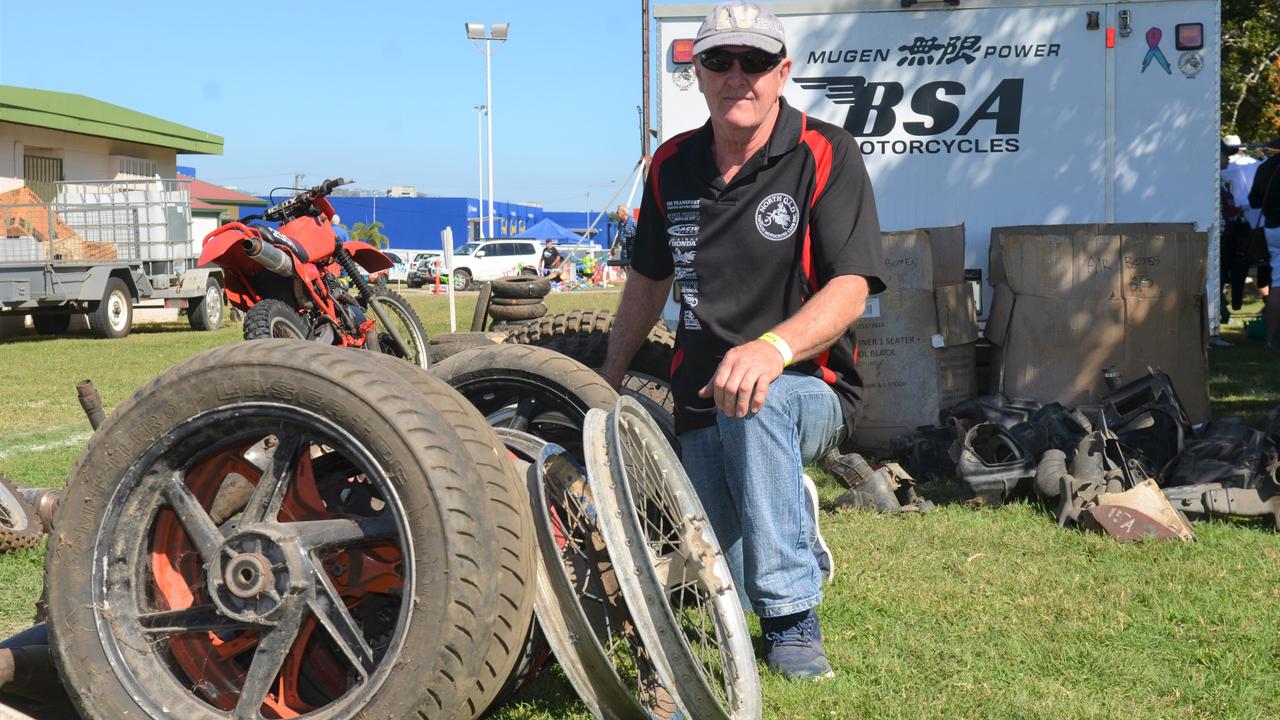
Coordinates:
[530,389]
[586,618]
[407,326]
[248,538]
[670,564]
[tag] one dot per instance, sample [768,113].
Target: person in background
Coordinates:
[339,229]
[626,233]
[1265,195]
[766,220]
[1238,219]
[550,259]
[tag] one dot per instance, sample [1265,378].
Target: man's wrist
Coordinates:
[781,345]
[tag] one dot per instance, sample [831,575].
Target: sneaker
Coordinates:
[821,552]
[793,646]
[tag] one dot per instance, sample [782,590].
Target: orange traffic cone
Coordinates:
[436,289]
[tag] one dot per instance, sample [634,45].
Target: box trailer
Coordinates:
[995,113]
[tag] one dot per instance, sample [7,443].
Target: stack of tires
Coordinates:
[518,299]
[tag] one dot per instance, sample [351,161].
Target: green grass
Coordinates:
[956,613]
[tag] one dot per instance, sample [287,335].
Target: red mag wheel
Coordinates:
[271,552]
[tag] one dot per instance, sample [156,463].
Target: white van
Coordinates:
[484,260]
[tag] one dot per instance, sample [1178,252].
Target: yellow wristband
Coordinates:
[780,345]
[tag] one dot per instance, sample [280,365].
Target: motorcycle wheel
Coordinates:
[510,517]
[274,319]
[406,323]
[272,530]
[530,389]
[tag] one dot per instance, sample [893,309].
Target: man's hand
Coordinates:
[741,382]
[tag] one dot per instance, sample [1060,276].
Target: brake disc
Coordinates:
[670,567]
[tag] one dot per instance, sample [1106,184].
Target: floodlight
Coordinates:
[475,31]
[500,30]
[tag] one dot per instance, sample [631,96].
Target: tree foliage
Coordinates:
[1251,69]
[370,233]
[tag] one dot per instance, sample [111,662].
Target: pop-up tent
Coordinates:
[549,229]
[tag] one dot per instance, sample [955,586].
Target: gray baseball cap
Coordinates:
[741,23]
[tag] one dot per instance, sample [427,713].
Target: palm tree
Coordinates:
[370,233]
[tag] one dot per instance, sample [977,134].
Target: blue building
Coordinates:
[415,223]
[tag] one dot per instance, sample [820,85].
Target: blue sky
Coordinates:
[379,91]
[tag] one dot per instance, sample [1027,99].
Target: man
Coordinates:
[1237,171]
[339,229]
[765,220]
[550,258]
[1265,195]
[626,233]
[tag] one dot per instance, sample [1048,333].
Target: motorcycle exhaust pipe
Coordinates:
[268,256]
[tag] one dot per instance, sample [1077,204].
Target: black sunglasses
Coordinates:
[752,62]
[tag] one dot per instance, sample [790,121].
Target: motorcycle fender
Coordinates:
[222,248]
[367,256]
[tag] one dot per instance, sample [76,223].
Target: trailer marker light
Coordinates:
[1111,37]
[682,52]
[1190,36]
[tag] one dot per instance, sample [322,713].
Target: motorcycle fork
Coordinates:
[348,264]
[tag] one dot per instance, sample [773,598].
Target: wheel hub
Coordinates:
[253,575]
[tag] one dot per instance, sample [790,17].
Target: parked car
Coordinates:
[484,260]
[423,272]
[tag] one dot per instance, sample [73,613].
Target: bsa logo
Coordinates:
[777,217]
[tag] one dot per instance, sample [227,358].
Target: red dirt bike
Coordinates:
[299,281]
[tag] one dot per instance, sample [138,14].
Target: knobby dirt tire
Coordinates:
[274,319]
[20,525]
[508,313]
[445,344]
[405,449]
[521,287]
[509,524]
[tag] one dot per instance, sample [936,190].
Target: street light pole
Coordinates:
[480,111]
[488,91]
[499,32]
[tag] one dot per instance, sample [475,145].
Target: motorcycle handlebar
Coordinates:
[282,210]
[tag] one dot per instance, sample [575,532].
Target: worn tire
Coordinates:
[424,469]
[51,323]
[445,344]
[522,286]
[274,319]
[584,336]
[509,524]
[515,302]
[484,375]
[509,313]
[112,317]
[205,312]
[20,525]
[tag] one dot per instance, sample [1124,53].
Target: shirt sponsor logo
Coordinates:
[683,217]
[683,258]
[682,230]
[777,217]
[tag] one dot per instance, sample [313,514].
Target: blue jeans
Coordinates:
[747,473]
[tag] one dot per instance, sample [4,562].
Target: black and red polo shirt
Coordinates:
[747,254]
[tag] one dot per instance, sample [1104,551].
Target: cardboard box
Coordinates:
[1077,298]
[916,341]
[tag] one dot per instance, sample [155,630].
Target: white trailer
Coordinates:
[1001,112]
